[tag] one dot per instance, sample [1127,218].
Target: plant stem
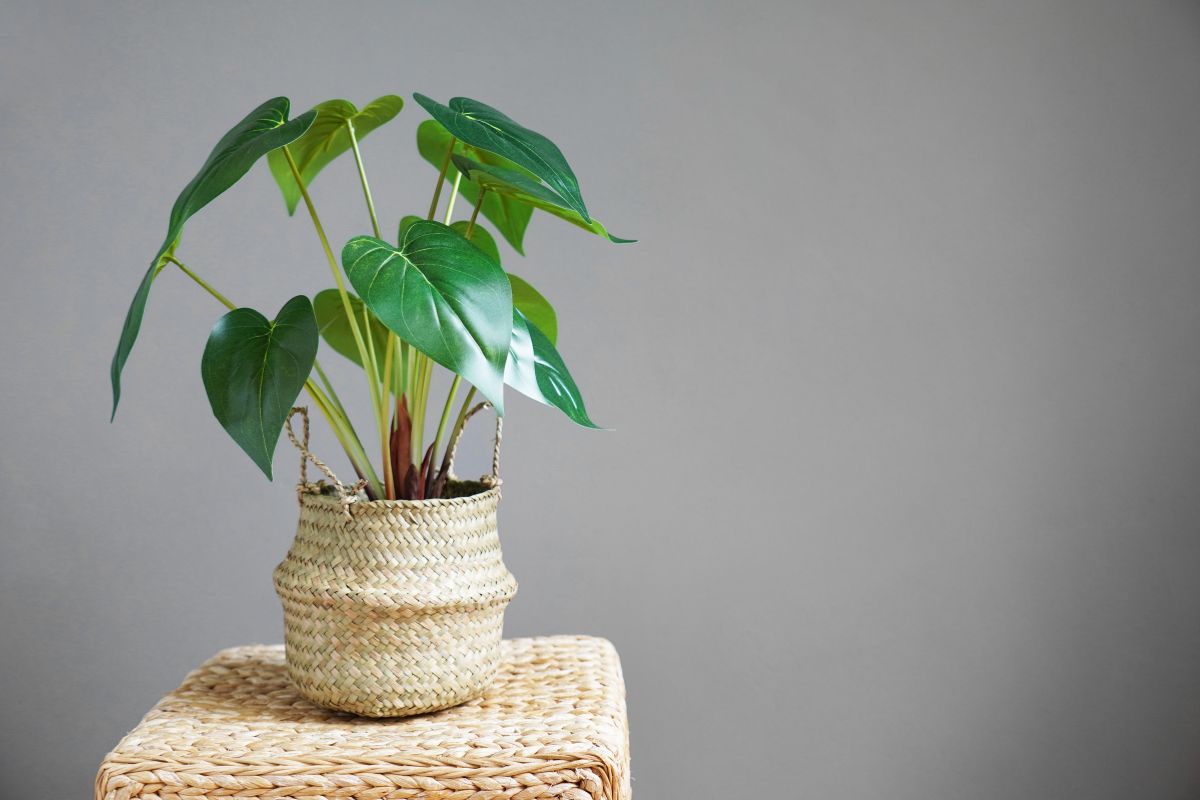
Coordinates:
[437,191]
[463,409]
[459,421]
[333,265]
[417,390]
[389,358]
[389,482]
[405,351]
[386,386]
[453,197]
[225,301]
[362,177]
[419,404]
[333,397]
[343,431]
[441,428]
[475,214]
[368,363]
[366,323]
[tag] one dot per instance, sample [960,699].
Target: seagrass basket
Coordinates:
[393,607]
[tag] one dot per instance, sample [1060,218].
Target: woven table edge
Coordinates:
[612,782]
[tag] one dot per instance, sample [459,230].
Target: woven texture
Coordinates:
[396,608]
[551,725]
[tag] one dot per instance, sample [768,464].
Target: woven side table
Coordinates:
[552,725]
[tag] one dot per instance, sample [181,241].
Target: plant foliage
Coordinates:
[438,296]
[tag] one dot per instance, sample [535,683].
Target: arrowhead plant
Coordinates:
[437,297]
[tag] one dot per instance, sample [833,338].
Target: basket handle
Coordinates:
[452,447]
[348,496]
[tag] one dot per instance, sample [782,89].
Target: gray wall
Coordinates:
[901,498]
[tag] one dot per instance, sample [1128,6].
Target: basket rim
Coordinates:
[325,498]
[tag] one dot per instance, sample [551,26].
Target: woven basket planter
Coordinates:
[394,607]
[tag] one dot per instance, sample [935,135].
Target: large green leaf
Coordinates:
[509,216]
[327,139]
[523,189]
[536,308]
[253,370]
[484,127]
[264,129]
[335,328]
[406,222]
[442,295]
[536,370]
[479,235]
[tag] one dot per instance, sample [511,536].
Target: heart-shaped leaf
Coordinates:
[536,308]
[509,216]
[264,129]
[327,139]
[335,327]
[253,370]
[479,235]
[523,189]
[442,295]
[482,126]
[536,370]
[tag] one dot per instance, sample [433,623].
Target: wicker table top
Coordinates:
[552,725]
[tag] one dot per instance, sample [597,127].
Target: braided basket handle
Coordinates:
[452,448]
[350,495]
[347,496]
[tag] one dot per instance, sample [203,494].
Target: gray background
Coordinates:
[901,498]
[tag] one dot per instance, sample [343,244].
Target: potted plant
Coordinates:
[394,589]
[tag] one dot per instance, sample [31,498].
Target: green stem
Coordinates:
[437,190]
[343,431]
[389,355]
[475,214]
[366,323]
[333,265]
[419,405]
[464,408]
[362,177]
[328,386]
[405,352]
[389,359]
[441,428]
[453,197]
[225,301]
[457,429]
[368,363]
[381,406]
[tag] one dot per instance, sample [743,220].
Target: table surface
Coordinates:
[553,724]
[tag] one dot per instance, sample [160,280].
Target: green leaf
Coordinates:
[479,237]
[442,295]
[253,370]
[335,327]
[519,187]
[482,126]
[327,139]
[536,308]
[407,222]
[509,216]
[264,129]
[536,370]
